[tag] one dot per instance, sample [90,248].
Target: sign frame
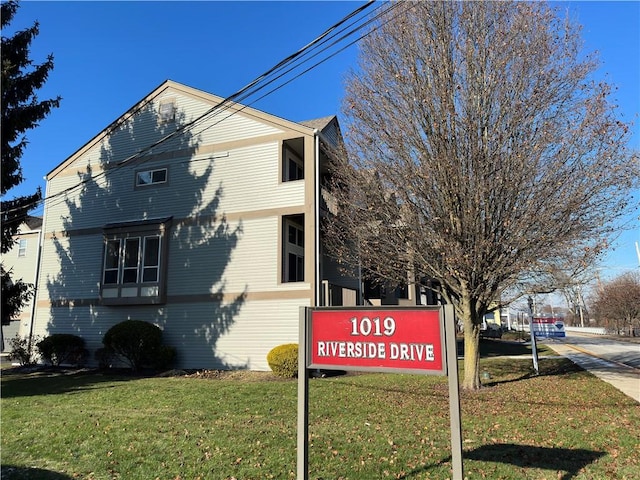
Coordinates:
[450,358]
[364,312]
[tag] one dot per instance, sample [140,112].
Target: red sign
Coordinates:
[385,339]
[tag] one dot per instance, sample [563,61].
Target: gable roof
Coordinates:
[213,100]
[33,223]
[319,123]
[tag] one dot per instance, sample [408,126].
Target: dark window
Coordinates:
[292,160]
[293,268]
[131,259]
[167,112]
[133,265]
[151,177]
[151,263]
[111,261]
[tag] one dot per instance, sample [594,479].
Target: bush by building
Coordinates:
[63,348]
[138,344]
[283,360]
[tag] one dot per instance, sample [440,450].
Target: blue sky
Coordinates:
[108,55]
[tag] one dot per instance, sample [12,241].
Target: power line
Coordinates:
[250,89]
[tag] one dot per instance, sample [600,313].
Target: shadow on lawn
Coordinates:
[568,460]
[10,472]
[18,383]
[547,368]
[493,347]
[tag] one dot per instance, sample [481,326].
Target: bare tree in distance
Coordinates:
[572,286]
[616,303]
[480,154]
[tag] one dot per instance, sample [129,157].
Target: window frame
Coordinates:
[293,251]
[167,111]
[133,240]
[152,183]
[289,155]
[22,247]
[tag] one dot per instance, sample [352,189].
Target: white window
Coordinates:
[22,247]
[134,256]
[151,177]
[293,255]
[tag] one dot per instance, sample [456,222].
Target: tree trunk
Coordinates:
[471,379]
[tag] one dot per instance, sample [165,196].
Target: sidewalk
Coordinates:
[626,379]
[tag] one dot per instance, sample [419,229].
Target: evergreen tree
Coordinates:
[21,111]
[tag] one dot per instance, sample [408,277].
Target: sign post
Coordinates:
[418,340]
[454,392]
[303,401]
[534,347]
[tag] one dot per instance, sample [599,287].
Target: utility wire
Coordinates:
[250,89]
[321,61]
[222,106]
[230,102]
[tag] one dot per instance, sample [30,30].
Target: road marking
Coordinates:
[587,352]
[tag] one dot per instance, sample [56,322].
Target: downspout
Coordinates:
[35,285]
[316,239]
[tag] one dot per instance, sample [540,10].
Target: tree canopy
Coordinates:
[21,111]
[617,303]
[481,153]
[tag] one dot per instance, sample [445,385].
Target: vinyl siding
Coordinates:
[71,268]
[206,335]
[22,268]
[224,240]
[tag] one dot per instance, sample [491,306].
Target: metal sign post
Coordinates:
[381,339]
[534,347]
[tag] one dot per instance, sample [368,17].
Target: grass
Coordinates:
[563,424]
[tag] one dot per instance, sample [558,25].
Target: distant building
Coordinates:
[22,261]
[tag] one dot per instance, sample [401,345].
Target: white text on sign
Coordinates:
[395,351]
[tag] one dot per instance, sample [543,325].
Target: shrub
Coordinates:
[164,357]
[62,348]
[22,351]
[104,356]
[283,360]
[138,343]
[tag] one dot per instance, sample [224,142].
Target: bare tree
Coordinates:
[617,303]
[572,288]
[480,154]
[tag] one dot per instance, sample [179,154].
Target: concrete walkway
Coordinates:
[624,378]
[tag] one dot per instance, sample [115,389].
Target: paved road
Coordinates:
[607,348]
[614,361]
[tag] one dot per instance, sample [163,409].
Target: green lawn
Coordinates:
[564,424]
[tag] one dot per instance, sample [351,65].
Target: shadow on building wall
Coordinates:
[198,310]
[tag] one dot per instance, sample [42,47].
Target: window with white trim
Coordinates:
[134,263]
[292,160]
[151,177]
[293,243]
[22,247]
